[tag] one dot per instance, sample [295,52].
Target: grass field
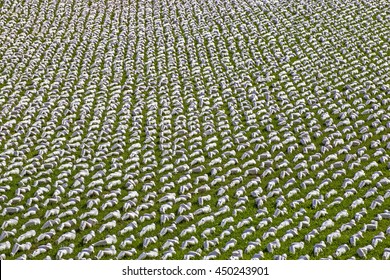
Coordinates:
[194,129]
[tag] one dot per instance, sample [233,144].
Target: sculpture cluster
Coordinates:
[203,129]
